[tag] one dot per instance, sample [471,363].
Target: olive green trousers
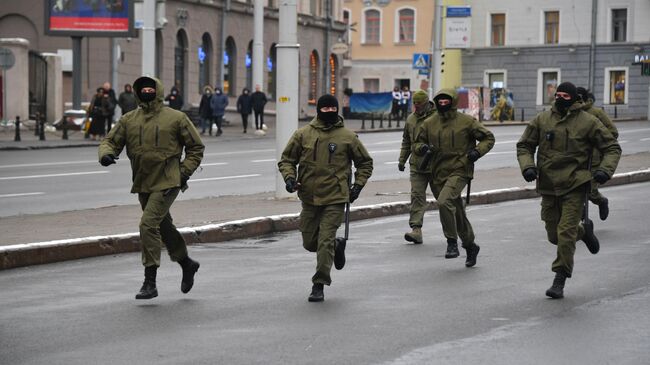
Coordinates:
[318,224]
[452,210]
[419,184]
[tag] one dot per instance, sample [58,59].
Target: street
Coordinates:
[393,303]
[46,181]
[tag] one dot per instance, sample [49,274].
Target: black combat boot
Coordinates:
[603,209]
[148,289]
[339,253]
[317,294]
[556,291]
[589,238]
[452,249]
[472,252]
[190,267]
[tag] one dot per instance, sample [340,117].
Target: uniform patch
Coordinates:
[331,147]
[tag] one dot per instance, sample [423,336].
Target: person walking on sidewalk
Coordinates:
[109,94]
[155,137]
[564,138]
[175,98]
[98,110]
[404,102]
[126,100]
[419,178]
[258,99]
[324,151]
[395,109]
[205,111]
[218,103]
[244,107]
[449,137]
[595,196]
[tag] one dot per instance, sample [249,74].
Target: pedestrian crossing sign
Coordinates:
[421,61]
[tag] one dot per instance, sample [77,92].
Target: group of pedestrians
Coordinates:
[212,108]
[439,143]
[401,100]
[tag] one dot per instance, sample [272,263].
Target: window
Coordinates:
[551,27]
[619,25]
[230,67]
[334,65]
[347,16]
[372,26]
[406,26]
[205,53]
[496,80]
[313,78]
[616,85]
[314,7]
[371,85]
[498,30]
[547,82]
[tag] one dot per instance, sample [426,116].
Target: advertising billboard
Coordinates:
[88,18]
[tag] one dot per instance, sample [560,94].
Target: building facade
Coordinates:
[530,47]
[197,43]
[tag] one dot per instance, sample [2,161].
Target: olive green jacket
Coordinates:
[323,155]
[563,145]
[451,135]
[602,116]
[409,137]
[154,136]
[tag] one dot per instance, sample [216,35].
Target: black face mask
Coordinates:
[147,97]
[563,105]
[329,117]
[443,108]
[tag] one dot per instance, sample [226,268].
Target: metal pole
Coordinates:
[76,73]
[4,94]
[114,57]
[149,38]
[436,75]
[326,54]
[258,44]
[287,89]
[592,46]
[222,33]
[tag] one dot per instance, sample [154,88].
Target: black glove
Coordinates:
[355,190]
[107,160]
[530,174]
[184,179]
[400,166]
[290,185]
[473,155]
[424,149]
[601,177]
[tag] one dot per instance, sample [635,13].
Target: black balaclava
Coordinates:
[563,105]
[442,109]
[583,94]
[146,82]
[328,100]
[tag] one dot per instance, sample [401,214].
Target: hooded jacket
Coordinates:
[154,136]
[409,137]
[127,101]
[563,144]
[323,155]
[451,135]
[205,111]
[218,103]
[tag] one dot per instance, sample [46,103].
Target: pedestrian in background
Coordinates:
[564,138]
[155,137]
[449,137]
[405,101]
[98,109]
[258,99]
[205,110]
[419,178]
[244,107]
[126,100]
[109,94]
[395,109]
[317,163]
[595,196]
[175,99]
[218,103]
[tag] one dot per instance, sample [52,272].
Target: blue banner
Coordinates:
[371,102]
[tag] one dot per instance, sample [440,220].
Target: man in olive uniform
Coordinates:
[595,196]
[154,136]
[324,151]
[449,137]
[564,137]
[420,179]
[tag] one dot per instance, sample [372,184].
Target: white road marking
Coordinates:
[383,151]
[224,178]
[267,160]
[620,142]
[47,164]
[237,152]
[645,139]
[20,194]
[391,163]
[214,164]
[384,142]
[53,175]
[502,142]
[500,153]
[633,130]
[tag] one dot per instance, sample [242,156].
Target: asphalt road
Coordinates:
[394,303]
[46,181]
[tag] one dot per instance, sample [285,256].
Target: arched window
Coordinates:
[249,66]
[372,26]
[180,62]
[314,66]
[229,67]
[405,27]
[271,67]
[205,61]
[334,65]
[159,54]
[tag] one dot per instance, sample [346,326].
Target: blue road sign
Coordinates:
[421,61]
[459,11]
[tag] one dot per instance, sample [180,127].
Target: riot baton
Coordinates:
[340,242]
[426,160]
[587,223]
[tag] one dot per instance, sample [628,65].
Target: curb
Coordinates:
[20,255]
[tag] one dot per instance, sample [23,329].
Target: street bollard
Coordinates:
[41,121]
[372,120]
[36,132]
[381,120]
[522,114]
[398,120]
[363,122]
[17,125]
[64,127]
[390,118]
[615,112]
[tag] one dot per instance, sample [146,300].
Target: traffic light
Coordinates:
[442,62]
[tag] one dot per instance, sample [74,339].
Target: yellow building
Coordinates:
[384,35]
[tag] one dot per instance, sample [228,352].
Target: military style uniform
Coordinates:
[450,136]
[155,136]
[563,144]
[419,178]
[323,154]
